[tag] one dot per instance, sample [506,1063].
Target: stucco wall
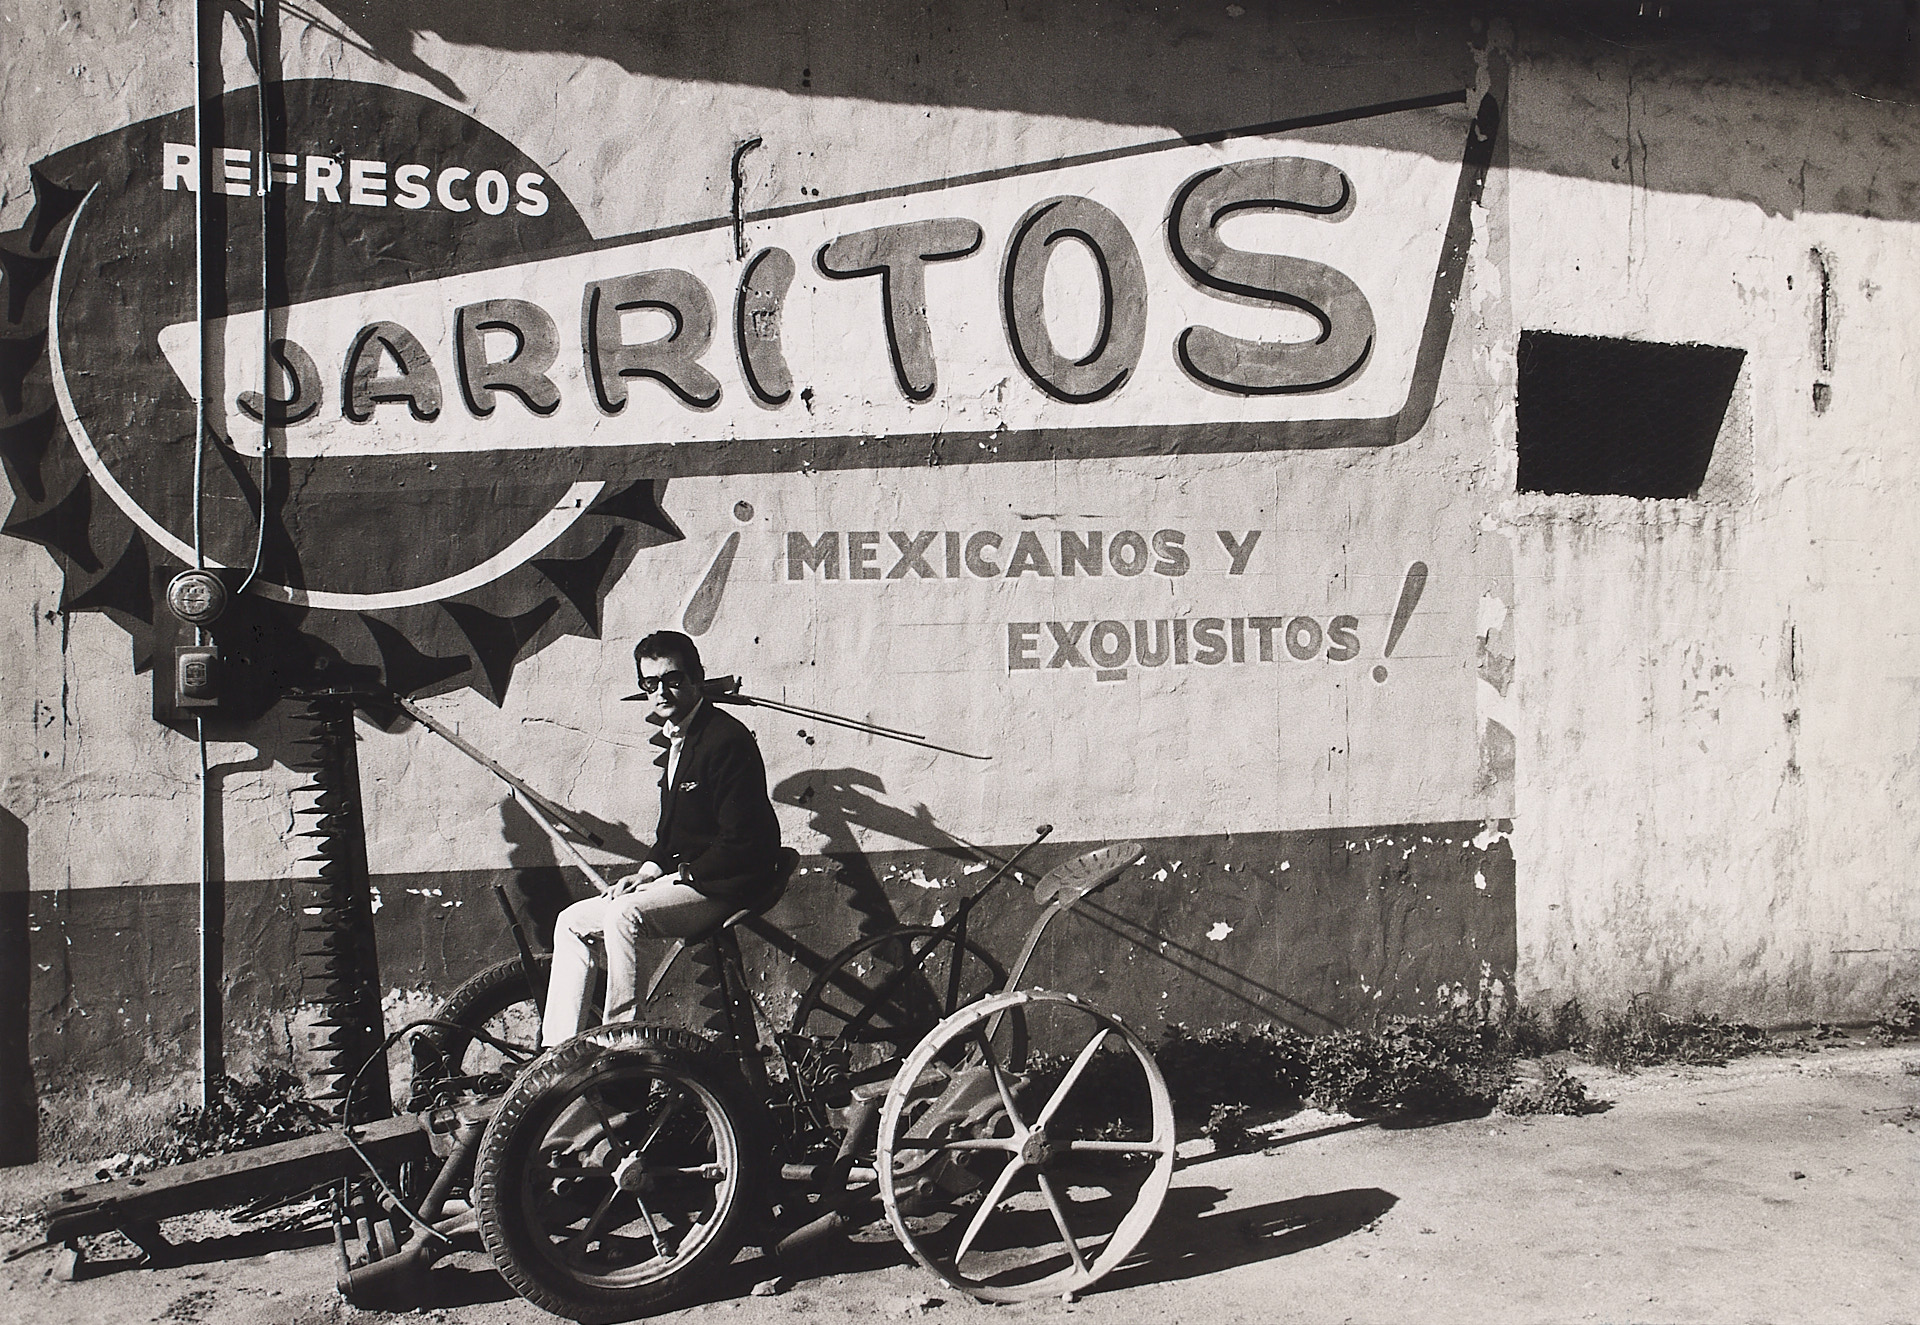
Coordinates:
[1715,696]
[1594,746]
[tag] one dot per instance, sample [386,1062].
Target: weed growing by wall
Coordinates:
[1262,1067]
[1642,1037]
[1436,1068]
[1899,1022]
[272,1107]
[1558,1092]
[1221,1074]
[1635,1037]
[1528,1032]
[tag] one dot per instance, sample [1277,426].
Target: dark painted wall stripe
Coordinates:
[1317,930]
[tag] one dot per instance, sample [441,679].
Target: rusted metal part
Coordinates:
[388,1273]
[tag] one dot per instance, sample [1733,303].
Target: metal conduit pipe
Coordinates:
[201,190]
[212,890]
[263,190]
[212,897]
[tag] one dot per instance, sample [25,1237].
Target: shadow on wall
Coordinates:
[1221,66]
[844,799]
[1212,70]
[252,939]
[1315,929]
[435,930]
[19,1107]
[444,941]
[543,884]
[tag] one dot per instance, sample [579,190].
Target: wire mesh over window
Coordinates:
[1623,418]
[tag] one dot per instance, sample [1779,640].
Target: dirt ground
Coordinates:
[1774,1189]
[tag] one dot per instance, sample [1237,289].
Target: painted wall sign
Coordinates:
[1146,461]
[460,405]
[1239,285]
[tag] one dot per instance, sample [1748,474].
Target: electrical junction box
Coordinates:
[196,676]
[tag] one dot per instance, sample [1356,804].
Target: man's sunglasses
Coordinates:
[671,680]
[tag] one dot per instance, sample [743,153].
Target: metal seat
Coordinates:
[785,863]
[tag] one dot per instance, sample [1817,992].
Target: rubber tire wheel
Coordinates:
[509,1154]
[441,1052]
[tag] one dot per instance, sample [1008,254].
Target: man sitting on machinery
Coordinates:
[717,848]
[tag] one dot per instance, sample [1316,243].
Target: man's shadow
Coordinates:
[841,800]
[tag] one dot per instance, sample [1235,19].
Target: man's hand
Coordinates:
[647,873]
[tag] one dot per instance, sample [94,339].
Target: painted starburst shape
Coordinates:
[420,574]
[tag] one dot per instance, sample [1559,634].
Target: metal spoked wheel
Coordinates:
[880,995]
[619,1174]
[1015,1175]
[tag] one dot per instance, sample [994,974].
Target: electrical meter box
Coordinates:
[196,676]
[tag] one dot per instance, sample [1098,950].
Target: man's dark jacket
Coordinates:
[716,825]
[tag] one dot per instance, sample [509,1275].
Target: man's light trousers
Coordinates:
[663,907]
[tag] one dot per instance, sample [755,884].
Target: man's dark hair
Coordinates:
[675,648]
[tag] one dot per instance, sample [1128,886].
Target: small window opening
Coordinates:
[1623,418]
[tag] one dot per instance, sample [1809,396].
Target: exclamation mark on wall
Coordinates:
[705,603]
[1410,590]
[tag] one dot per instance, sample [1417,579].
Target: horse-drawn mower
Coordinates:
[1018,1141]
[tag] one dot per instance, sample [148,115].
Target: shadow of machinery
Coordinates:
[843,800]
[1190,1239]
[1187,1241]
[111,1252]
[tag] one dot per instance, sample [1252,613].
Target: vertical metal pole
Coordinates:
[213,1066]
[213,927]
[263,49]
[203,178]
